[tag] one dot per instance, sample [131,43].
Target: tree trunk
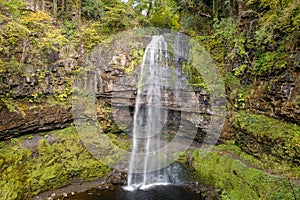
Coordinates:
[230,8]
[62,6]
[149,8]
[79,12]
[34,5]
[55,8]
[240,7]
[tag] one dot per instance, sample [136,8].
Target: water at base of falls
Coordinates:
[169,192]
[147,158]
[143,187]
[173,174]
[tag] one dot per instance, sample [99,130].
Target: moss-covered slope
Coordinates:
[240,181]
[261,135]
[31,164]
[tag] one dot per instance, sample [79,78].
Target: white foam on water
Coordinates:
[148,186]
[135,187]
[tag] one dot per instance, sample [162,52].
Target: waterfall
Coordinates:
[150,117]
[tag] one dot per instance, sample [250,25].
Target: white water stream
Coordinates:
[150,117]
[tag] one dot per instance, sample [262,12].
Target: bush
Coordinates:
[12,8]
[92,9]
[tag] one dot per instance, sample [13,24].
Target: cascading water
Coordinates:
[167,114]
[150,117]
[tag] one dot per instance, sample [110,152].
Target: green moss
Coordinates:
[136,59]
[12,105]
[239,181]
[13,8]
[181,157]
[262,125]
[266,162]
[195,78]
[27,172]
[284,136]
[13,35]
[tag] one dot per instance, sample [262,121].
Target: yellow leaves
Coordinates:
[52,40]
[90,37]
[14,32]
[37,21]
[38,16]
[3,19]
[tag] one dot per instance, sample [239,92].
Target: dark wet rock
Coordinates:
[115,178]
[278,97]
[30,118]
[207,192]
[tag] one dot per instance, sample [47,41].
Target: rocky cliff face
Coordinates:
[29,118]
[33,98]
[113,78]
[270,127]
[112,75]
[278,97]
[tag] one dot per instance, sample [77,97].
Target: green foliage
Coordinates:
[195,78]
[165,14]
[62,95]
[118,16]
[262,125]
[9,104]
[269,61]
[285,136]
[37,22]
[54,165]
[195,16]
[33,37]
[239,181]
[13,35]
[234,42]
[136,59]
[32,42]
[11,65]
[52,42]
[93,9]
[67,10]
[90,36]
[13,38]
[266,162]
[105,119]
[239,101]
[69,29]
[12,8]
[264,46]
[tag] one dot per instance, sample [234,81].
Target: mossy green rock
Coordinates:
[259,135]
[52,160]
[239,181]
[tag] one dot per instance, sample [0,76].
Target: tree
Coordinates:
[117,16]
[92,9]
